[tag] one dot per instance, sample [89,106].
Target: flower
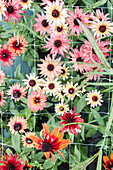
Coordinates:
[31,82]
[59,29]
[11,163]
[26,166]
[65,72]
[27,141]
[71,117]
[50,67]
[73,23]
[36,101]
[18,47]
[71,90]
[26,3]
[17,92]
[6,55]
[51,142]
[17,124]
[2,101]
[57,43]
[46,2]
[55,12]
[2,76]
[42,24]
[60,94]
[100,15]
[109,163]
[94,98]
[13,9]
[2,9]
[61,107]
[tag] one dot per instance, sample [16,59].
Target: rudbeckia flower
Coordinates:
[64,72]
[26,166]
[27,141]
[11,163]
[109,163]
[71,117]
[63,28]
[49,143]
[26,3]
[60,108]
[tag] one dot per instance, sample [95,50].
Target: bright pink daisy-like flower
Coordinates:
[13,9]
[17,92]
[6,55]
[11,163]
[2,76]
[42,24]
[80,56]
[73,23]
[2,101]
[101,16]
[71,117]
[58,44]
[104,46]
[36,101]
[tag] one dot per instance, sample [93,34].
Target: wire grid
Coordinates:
[107,111]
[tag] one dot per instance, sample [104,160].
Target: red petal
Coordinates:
[111,158]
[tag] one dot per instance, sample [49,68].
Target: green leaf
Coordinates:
[17,73]
[81,104]
[99,3]
[48,104]
[48,164]
[16,142]
[90,133]
[28,113]
[31,123]
[8,151]
[98,117]
[99,163]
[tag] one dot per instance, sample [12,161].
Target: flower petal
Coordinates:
[106,161]
[47,155]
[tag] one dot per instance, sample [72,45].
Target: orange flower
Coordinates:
[51,142]
[26,166]
[109,163]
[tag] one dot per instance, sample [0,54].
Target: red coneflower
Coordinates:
[109,163]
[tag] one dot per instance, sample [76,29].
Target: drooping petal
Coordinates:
[47,155]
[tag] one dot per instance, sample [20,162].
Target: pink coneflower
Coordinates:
[2,76]
[73,23]
[17,124]
[11,163]
[13,9]
[50,67]
[58,44]
[6,55]
[36,101]
[2,101]
[17,92]
[42,24]
[104,46]
[63,28]
[100,15]
[71,117]
[17,47]
[80,56]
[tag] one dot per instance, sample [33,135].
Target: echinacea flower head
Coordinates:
[50,67]
[27,141]
[73,23]
[26,166]
[17,92]
[63,28]
[108,163]
[49,143]
[60,108]
[64,72]
[55,12]
[6,56]
[26,4]
[31,82]
[71,117]
[2,76]
[17,124]
[37,100]
[71,90]
[42,24]
[18,47]
[13,10]
[2,101]
[11,163]
[57,43]
[94,98]
[2,9]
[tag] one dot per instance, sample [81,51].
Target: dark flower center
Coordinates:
[10,9]
[102,28]
[59,29]
[11,167]
[75,21]
[5,55]
[17,45]
[100,19]
[46,147]
[80,59]
[70,120]
[0,97]
[57,43]
[25,167]
[90,19]
[93,51]
[37,100]
[50,67]
[29,141]
[32,83]
[24,0]
[71,90]
[16,94]
[51,86]
[95,98]
[62,93]
[61,108]
[52,0]
[63,71]
[45,23]
[55,13]
[17,126]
